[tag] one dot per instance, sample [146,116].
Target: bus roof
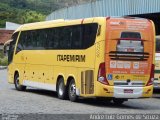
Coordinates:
[60,22]
[37,25]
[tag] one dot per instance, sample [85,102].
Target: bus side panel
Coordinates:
[157,71]
[79,69]
[101,89]
[11,71]
[39,71]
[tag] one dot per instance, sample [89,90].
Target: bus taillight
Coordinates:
[102,74]
[150,82]
[142,43]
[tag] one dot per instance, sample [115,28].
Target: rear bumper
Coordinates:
[118,92]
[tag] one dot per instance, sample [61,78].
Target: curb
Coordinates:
[3,67]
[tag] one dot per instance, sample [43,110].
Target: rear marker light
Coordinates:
[102,74]
[150,82]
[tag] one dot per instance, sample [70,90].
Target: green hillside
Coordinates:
[26,11]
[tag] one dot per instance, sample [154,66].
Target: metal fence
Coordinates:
[107,8]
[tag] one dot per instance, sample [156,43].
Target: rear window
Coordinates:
[130,35]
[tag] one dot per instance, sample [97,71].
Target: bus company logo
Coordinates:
[113,64]
[71,58]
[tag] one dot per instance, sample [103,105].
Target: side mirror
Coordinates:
[6,47]
[4,50]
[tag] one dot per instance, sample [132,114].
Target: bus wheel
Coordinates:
[61,90]
[72,91]
[119,101]
[17,84]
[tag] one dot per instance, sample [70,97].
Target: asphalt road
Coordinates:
[46,102]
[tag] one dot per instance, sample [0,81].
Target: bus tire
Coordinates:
[72,91]
[119,101]
[61,89]
[17,84]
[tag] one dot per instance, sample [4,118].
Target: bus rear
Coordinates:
[129,52]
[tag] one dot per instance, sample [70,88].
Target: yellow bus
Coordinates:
[157,64]
[100,57]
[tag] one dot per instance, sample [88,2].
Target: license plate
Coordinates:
[130,50]
[128,90]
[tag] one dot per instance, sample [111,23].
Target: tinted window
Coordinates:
[66,37]
[71,37]
[56,37]
[29,40]
[76,37]
[89,34]
[38,39]
[130,35]
[22,42]
[32,40]
[53,35]
[50,39]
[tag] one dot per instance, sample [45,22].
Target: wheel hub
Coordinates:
[73,90]
[17,81]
